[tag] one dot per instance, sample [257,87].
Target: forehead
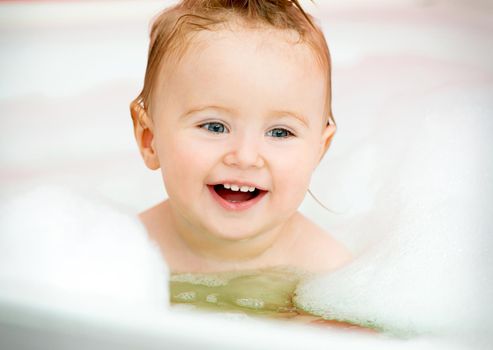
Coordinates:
[235,38]
[245,66]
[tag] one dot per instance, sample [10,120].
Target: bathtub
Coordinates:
[70,69]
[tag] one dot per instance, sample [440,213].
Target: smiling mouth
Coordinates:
[235,196]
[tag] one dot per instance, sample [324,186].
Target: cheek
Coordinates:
[184,161]
[293,171]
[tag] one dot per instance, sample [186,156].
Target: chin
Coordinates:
[234,232]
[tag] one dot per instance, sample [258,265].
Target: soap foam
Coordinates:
[432,195]
[210,280]
[57,244]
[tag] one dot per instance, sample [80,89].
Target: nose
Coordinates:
[244,153]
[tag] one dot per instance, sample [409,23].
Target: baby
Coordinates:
[236,112]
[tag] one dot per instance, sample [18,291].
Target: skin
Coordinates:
[266,96]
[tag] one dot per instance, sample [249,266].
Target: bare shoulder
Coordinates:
[155,220]
[152,219]
[316,249]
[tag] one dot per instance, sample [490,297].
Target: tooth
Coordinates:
[244,188]
[251,189]
[228,186]
[235,188]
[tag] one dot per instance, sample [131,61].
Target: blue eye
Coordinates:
[214,127]
[219,128]
[280,133]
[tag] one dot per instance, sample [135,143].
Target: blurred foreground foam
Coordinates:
[55,243]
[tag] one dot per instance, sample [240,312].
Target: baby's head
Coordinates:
[237,94]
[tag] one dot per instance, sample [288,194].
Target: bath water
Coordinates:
[265,293]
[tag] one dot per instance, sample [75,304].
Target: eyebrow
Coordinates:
[201,108]
[297,116]
[278,114]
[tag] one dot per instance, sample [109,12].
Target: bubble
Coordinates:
[211,298]
[186,296]
[209,280]
[251,303]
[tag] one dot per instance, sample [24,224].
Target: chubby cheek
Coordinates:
[291,178]
[185,165]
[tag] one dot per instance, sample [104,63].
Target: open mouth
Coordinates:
[235,196]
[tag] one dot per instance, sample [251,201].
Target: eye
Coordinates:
[280,133]
[214,127]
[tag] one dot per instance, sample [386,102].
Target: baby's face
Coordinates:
[241,108]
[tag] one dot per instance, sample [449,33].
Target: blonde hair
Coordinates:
[171,30]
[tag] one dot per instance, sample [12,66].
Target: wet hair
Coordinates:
[172,29]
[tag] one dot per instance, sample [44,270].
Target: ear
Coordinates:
[326,139]
[144,135]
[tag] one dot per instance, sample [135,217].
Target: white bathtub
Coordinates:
[69,70]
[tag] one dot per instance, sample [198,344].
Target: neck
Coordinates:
[204,247]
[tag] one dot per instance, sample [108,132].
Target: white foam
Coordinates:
[432,195]
[205,280]
[57,244]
